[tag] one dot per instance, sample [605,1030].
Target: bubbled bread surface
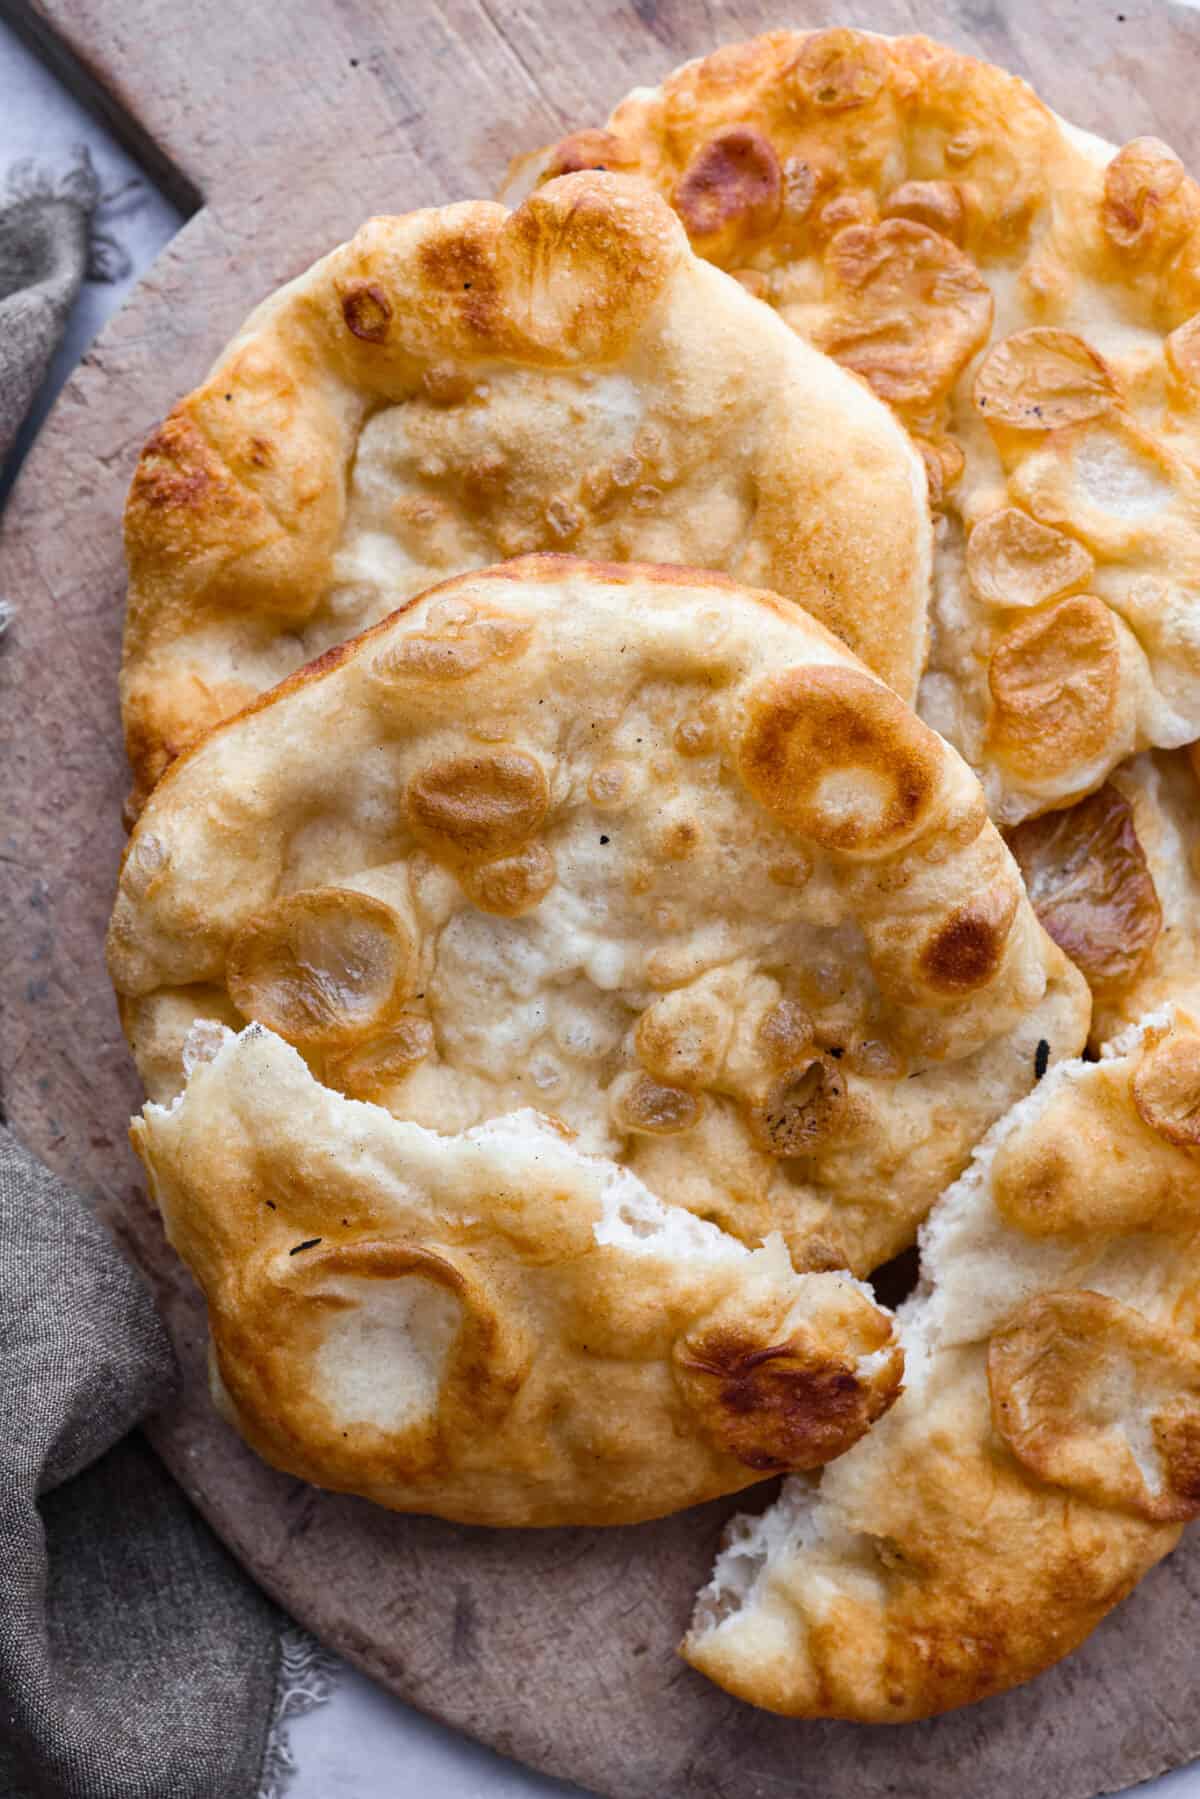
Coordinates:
[631,845]
[460,385]
[1026,300]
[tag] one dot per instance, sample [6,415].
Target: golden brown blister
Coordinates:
[1115,879]
[461,385]
[1026,300]
[323,967]
[1046,1449]
[489,1326]
[671,866]
[1061,1372]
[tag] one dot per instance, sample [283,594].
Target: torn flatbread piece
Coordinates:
[1045,1452]
[489,1326]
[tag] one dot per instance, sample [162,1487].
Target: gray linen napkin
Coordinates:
[43,255]
[136,1660]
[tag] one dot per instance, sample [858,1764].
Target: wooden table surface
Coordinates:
[285,124]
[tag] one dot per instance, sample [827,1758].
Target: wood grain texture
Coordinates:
[294,121]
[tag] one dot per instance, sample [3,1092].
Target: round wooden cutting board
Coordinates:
[294,121]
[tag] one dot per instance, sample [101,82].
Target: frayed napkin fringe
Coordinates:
[306,1679]
[29,179]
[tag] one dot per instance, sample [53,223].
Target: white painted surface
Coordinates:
[363,1744]
[38,119]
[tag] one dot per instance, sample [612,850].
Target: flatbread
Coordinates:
[1115,879]
[632,846]
[489,1326]
[458,386]
[1046,1449]
[1026,299]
